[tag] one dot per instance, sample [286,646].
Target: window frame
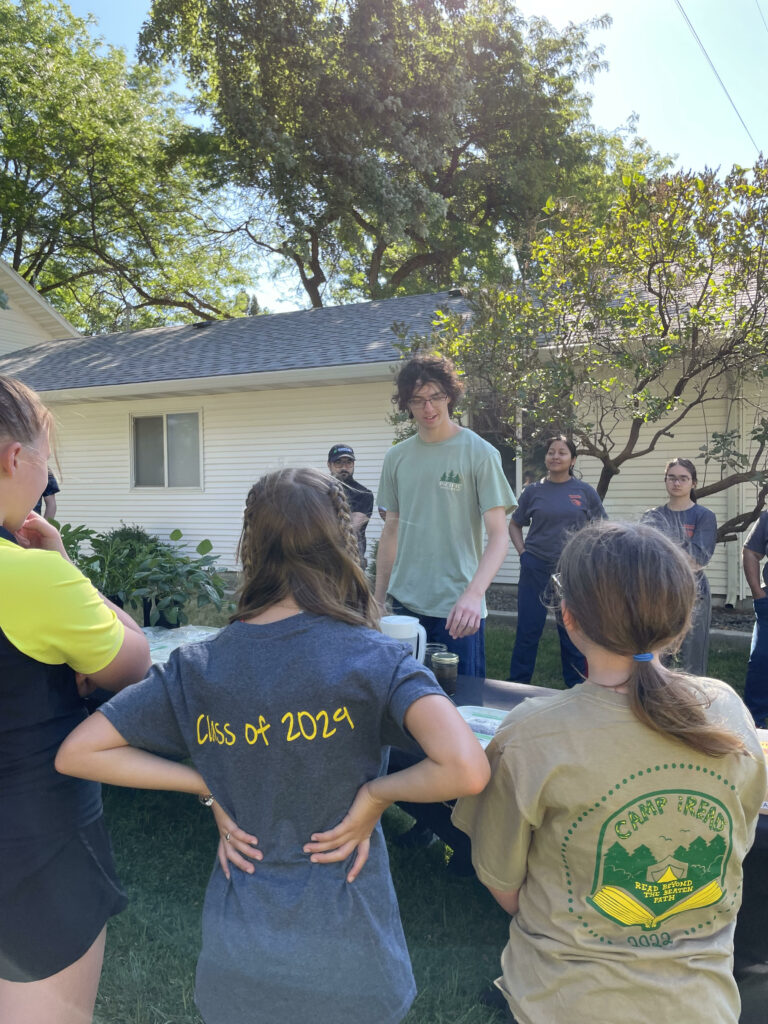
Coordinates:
[160,488]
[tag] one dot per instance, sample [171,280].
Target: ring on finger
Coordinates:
[227,836]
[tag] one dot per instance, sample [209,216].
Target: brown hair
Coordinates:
[297,541]
[423,370]
[686,464]
[22,415]
[631,590]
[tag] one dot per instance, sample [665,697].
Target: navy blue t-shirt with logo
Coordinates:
[553,511]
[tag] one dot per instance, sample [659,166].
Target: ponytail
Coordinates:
[630,589]
[675,705]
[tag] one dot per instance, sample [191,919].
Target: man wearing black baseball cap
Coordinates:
[341,463]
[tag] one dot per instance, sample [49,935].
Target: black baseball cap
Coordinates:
[341,451]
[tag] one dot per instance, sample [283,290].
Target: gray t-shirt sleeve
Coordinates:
[147,714]
[704,538]
[410,681]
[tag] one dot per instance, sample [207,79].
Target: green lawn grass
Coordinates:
[165,848]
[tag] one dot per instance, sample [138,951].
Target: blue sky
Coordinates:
[657,70]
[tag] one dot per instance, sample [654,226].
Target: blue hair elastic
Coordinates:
[643,657]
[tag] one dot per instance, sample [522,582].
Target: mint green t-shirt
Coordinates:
[440,491]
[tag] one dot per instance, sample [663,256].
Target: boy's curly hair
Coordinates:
[427,369]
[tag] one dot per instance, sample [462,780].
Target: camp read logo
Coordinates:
[451,481]
[662,855]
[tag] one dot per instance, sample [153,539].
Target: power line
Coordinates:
[714,70]
[760,12]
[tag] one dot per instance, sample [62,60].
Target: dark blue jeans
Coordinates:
[533,591]
[756,687]
[470,649]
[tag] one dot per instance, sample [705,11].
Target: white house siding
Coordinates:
[29,318]
[18,329]
[245,434]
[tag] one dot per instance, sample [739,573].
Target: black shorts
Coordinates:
[56,894]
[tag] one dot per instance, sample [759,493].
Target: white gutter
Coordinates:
[312,376]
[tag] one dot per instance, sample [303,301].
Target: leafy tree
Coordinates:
[623,329]
[100,209]
[384,146]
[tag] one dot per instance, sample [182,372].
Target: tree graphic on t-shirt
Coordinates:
[704,859]
[621,867]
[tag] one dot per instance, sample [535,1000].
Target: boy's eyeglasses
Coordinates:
[420,403]
[557,584]
[679,479]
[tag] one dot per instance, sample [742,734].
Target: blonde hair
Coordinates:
[631,590]
[22,415]
[297,541]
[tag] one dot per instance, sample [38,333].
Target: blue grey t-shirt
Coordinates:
[757,540]
[694,529]
[553,511]
[285,722]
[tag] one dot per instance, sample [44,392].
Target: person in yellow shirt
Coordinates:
[59,638]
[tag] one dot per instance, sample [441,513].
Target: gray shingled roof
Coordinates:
[331,336]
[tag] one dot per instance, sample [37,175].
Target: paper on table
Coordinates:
[483,721]
[163,641]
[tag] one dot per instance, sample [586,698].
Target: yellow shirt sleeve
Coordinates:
[52,613]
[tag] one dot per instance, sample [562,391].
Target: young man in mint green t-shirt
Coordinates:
[440,487]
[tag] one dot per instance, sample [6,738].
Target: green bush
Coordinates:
[136,569]
[170,578]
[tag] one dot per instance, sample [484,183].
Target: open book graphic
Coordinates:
[624,908]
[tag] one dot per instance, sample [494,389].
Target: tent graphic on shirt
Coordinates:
[662,855]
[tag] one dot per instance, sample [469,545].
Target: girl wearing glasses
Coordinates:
[694,529]
[618,813]
[58,885]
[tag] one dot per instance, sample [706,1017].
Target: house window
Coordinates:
[166,450]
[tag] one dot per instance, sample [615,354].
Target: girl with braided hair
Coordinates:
[287,715]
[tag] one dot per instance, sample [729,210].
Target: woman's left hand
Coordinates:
[234,844]
[352,833]
[36,532]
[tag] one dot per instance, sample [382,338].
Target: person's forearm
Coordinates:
[751,563]
[358,520]
[516,536]
[489,564]
[429,782]
[385,559]
[128,766]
